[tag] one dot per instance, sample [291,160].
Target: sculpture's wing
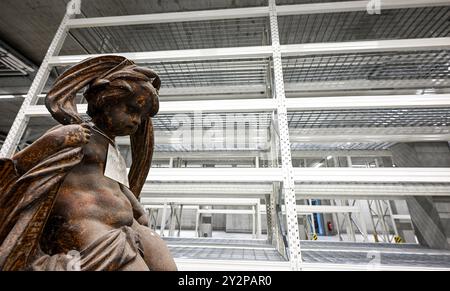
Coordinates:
[27,204]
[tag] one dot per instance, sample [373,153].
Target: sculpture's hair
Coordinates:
[96,75]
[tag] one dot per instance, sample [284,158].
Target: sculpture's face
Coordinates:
[123,116]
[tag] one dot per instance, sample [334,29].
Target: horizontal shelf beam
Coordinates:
[206,90]
[364,102]
[352,153]
[240,265]
[361,84]
[365,46]
[216,174]
[322,190]
[370,138]
[306,209]
[175,55]
[370,134]
[239,105]
[347,6]
[266,51]
[369,191]
[379,175]
[268,104]
[186,16]
[199,201]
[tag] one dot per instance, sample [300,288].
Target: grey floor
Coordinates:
[325,252]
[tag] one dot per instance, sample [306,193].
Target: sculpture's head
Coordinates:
[119,93]
[122,99]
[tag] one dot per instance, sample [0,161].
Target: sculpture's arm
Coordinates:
[50,143]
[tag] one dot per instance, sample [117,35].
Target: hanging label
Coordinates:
[116,168]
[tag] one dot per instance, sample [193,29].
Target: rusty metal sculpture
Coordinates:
[66,193]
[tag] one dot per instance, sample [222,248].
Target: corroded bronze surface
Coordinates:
[57,209]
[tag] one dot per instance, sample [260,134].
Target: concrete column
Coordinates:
[205,223]
[426,219]
[270,226]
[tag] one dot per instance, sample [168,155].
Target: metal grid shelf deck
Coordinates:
[321,252]
[217,241]
[330,146]
[400,117]
[391,191]
[104,8]
[425,22]
[205,73]
[173,36]
[238,253]
[192,189]
[375,66]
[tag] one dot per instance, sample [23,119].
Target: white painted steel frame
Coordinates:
[175,55]
[216,174]
[266,51]
[292,104]
[366,102]
[365,46]
[308,209]
[233,265]
[21,120]
[287,186]
[200,15]
[314,86]
[379,175]
[347,6]
[282,10]
[325,175]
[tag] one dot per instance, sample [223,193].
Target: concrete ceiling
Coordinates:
[29,25]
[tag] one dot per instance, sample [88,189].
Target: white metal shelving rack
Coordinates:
[293,180]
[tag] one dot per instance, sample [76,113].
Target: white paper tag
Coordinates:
[116,168]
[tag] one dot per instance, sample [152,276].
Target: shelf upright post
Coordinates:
[21,121]
[288,187]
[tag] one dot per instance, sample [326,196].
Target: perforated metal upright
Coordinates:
[21,120]
[288,187]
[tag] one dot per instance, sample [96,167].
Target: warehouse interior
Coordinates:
[291,135]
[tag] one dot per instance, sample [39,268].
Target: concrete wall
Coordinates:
[428,214]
